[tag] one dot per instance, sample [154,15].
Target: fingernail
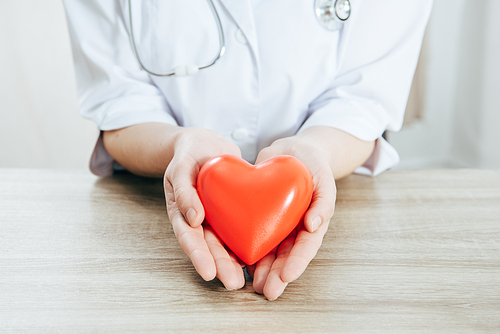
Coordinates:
[316,222]
[191,216]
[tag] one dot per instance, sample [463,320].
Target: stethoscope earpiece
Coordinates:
[332,13]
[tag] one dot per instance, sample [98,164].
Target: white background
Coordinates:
[461,121]
[40,126]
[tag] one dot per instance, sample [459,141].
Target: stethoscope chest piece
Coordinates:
[332,13]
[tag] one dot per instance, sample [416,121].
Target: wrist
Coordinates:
[199,145]
[177,137]
[300,145]
[344,151]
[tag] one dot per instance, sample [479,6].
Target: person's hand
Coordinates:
[193,148]
[289,260]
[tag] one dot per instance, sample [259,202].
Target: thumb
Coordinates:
[323,202]
[180,183]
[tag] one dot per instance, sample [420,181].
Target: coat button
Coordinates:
[239,134]
[240,37]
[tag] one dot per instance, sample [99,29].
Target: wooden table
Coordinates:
[407,250]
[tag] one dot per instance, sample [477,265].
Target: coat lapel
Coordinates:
[242,13]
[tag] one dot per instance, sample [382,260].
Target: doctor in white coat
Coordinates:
[295,78]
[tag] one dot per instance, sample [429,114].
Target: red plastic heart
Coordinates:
[254,208]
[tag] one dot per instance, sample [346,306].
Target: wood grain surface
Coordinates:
[406,251]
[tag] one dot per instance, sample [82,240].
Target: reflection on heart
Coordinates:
[253,208]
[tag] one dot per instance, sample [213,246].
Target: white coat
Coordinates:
[282,71]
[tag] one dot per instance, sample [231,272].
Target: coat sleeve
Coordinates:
[113,90]
[378,53]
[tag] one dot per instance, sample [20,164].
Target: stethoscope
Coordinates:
[331,15]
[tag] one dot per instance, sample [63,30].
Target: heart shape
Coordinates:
[254,208]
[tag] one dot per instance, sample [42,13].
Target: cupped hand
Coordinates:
[288,261]
[211,259]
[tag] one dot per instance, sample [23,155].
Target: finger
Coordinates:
[274,286]
[323,200]
[251,270]
[229,270]
[303,251]
[261,271]
[192,241]
[182,179]
[238,267]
